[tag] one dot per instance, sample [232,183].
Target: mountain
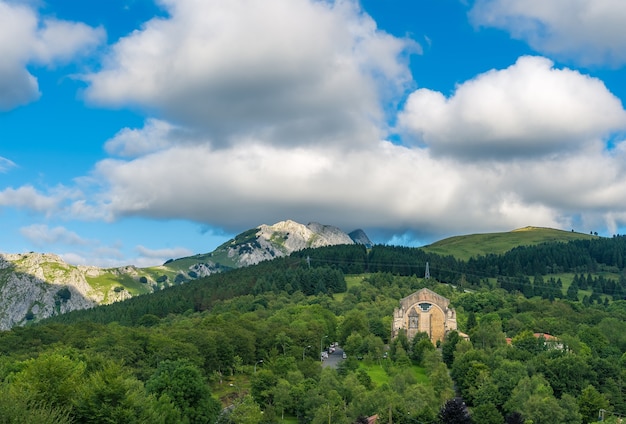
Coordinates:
[265,242]
[35,285]
[38,285]
[359,237]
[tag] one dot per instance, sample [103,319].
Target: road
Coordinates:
[334,358]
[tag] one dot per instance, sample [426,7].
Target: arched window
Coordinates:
[425,306]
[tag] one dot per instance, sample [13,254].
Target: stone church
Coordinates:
[424,311]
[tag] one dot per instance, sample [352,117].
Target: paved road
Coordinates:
[334,358]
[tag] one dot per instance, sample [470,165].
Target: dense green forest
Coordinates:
[243,346]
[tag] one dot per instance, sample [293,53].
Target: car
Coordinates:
[344,356]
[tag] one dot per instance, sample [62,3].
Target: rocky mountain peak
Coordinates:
[359,237]
[281,239]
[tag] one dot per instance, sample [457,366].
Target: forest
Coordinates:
[547,328]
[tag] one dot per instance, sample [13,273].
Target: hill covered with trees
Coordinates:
[243,346]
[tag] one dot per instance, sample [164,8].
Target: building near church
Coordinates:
[424,311]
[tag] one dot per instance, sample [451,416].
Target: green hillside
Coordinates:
[467,246]
[244,346]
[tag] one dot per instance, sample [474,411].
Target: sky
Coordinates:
[135,131]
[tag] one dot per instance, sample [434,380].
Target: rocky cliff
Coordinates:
[34,286]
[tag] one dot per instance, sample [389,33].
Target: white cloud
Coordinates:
[586,31]
[289,71]
[59,201]
[527,110]
[27,197]
[26,38]
[6,164]
[389,187]
[40,234]
[101,256]
[155,135]
[113,256]
[162,254]
[60,41]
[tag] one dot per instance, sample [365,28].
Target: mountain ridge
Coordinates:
[38,285]
[34,286]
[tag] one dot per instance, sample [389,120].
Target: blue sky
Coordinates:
[134,131]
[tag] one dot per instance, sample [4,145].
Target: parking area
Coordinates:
[334,357]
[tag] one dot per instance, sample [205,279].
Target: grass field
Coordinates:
[351,281]
[465,247]
[379,376]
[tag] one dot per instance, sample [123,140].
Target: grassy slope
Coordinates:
[465,247]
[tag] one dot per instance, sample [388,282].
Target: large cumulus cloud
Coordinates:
[291,72]
[26,38]
[387,186]
[525,145]
[585,31]
[529,109]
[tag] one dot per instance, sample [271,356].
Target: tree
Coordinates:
[488,333]
[534,399]
[590,402]
[354,322]
[449,346]
[570,409]
[261,386]
[53,379]
[455,412]
[332,410]
[183,383]
[421,404]
[283,340]
[566,373]
[22,409]
[471,322]
[354,345]
[507,375]
[527,342]
[466,371]
[113,395]
[487,413]
[572,291]
[484,391]
[442,384]
[402,360]
[419,345]
[246,412]
[282,397]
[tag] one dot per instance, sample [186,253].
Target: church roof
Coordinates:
[426,295]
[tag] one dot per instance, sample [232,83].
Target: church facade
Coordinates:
[424,311]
